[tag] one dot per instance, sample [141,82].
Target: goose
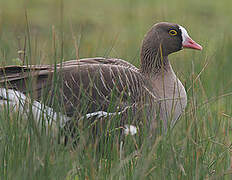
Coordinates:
[98,84]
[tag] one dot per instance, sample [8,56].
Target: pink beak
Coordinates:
[189,43]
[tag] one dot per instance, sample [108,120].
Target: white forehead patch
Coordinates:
[184,33]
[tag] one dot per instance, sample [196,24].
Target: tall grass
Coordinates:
[198,147]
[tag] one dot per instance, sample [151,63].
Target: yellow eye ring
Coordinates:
[172,32]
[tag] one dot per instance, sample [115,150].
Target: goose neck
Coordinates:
[153,62]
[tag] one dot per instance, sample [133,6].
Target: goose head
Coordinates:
[163,39]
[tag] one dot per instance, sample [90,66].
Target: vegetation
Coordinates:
[198,147]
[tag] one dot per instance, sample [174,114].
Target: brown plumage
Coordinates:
[97,83]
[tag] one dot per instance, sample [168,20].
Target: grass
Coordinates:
[199,147]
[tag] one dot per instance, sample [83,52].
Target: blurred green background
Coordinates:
[115,28]
[101,23]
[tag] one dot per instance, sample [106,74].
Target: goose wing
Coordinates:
[14,72]
[99,80]
[100,87]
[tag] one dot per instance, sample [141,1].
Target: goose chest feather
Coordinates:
[154,83]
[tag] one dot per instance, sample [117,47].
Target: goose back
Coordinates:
[95,82]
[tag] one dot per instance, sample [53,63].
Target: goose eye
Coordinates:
[172,32]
